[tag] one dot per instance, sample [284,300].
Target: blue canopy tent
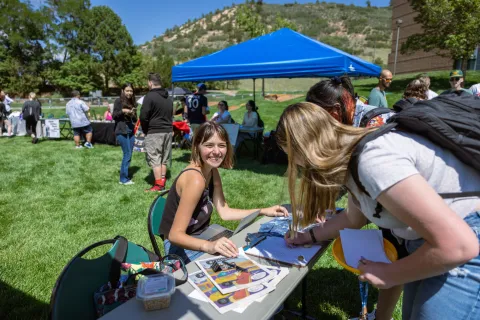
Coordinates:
[280,54]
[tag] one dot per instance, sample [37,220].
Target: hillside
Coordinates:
[358,30]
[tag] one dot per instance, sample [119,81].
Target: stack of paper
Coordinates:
[234,289]
[362,243]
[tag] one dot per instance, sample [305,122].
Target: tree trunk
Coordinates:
[464,69]
[106,85]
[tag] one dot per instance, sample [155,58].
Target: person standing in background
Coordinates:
[31,111]
[76,111]
[6,100]
[377,95]
[197,105]
[125,115]
[156,119]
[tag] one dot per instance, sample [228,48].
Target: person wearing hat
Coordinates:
[197,105]
[456,83]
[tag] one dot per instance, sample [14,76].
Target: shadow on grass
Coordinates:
[329,294]
[14,304]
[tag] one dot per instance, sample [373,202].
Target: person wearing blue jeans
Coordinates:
[402,174]
[126,142]
[125,116]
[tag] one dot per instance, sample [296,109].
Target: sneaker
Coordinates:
[88,145]
[78,147]
[155,188]
[129,182]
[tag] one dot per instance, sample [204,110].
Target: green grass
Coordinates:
[57,200]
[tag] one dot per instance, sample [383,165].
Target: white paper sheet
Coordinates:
[362,243]
[274,248]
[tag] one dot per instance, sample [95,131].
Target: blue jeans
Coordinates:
[186,255]
[126,142]
[453,295]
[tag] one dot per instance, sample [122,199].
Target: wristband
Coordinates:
[312,235]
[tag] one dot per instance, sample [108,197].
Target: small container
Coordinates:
[156,291]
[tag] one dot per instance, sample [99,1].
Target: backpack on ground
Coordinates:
[450,121]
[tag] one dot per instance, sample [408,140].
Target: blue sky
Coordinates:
[146,18]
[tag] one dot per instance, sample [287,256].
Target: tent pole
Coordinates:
[263,87]
[254,90]
[173,106]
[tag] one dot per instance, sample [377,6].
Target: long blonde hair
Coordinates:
[320,147]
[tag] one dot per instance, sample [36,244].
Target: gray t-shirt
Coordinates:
[396,156]
[76,109]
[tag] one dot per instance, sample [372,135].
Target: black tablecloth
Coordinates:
[104,132]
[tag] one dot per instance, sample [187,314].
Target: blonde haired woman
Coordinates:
[31,114]
[404,172]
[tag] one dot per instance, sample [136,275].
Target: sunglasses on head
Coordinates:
[455,79]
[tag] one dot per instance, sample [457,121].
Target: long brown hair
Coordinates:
[204,133]
[319,148]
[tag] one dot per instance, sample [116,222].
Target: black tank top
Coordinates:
[201,215]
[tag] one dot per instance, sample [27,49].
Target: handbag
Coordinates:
[123,277]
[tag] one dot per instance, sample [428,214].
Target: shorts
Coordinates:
[158,148]
[78,131]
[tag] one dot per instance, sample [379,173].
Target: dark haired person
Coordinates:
[125,116]
[251,119]
[377,95]
[197,105]
[222,116]
[156,118]
[77,112]
[194,193]
[31,111]
[6,100]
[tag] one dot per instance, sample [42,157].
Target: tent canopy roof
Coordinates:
[280,54]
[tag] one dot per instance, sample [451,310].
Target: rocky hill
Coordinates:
[363,31]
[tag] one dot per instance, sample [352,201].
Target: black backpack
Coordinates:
[450,121]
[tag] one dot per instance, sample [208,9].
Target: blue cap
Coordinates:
[201,86]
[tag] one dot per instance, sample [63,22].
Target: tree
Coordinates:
[249,19]
[110,43]
[369,4]
[22,56]
[451,28]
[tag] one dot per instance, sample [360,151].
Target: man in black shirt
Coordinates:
[197,105]
[156,120]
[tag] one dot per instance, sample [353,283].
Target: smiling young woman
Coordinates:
[194,193]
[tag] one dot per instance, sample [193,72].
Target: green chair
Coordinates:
[154,219]
[72,295]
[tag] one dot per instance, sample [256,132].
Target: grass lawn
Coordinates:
[56,200]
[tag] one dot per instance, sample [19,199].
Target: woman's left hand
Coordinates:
[275,211]
[375,273]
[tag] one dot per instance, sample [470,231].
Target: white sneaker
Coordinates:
[88,145]
[129,182]
[79,147]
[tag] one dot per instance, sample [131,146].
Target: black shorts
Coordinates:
[401,250]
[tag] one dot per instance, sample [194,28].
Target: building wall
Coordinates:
[419,61]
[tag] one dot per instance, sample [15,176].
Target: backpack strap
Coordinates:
[367,117]
[353,164]
[119,257]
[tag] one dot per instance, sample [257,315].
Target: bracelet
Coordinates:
[314,240]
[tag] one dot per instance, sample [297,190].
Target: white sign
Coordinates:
[51,129]
[232,130]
